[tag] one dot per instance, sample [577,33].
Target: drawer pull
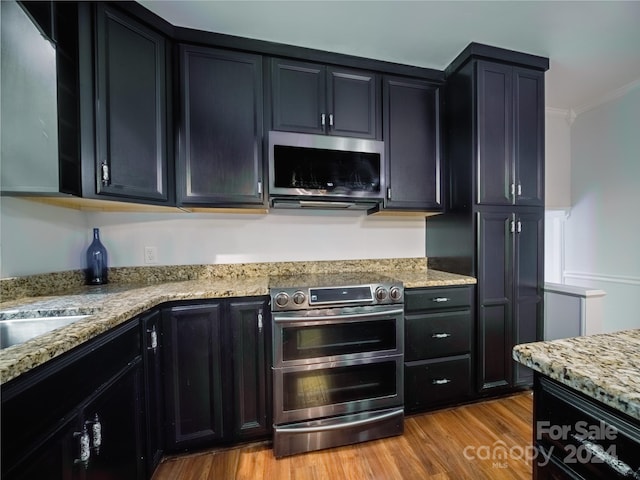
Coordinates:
[440,299]
[440,381]
[441,335]
[597,451]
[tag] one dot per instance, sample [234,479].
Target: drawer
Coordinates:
[437,335]
[436,382]
[593,441]
[437,298]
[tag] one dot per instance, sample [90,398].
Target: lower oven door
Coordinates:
[337,334]
[322,390]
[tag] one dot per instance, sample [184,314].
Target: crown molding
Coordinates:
[568,114]
[607,97]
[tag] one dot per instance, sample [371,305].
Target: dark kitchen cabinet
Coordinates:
[314,98]
[579,437]
[92,425]
[510,272]
[131,148]
[494,135]
[411,117]
[219,160]
[438,347]
[193,374]
[151,325]
[249,321]
[217,388]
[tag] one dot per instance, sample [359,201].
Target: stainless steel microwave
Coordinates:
[325,171]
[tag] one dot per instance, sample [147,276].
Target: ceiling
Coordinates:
[593,46]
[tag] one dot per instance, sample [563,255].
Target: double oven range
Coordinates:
[338,350]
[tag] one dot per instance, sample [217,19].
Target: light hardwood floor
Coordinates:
[487,440]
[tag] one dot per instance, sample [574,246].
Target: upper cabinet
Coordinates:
[510,135]
[314,98]
[219,160]
[131,154]
[412,144]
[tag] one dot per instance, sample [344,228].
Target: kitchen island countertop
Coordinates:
[113,304]
[605,367]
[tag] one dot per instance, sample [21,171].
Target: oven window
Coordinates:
[338,339]
[330,386]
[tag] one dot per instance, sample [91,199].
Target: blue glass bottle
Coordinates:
[97,261]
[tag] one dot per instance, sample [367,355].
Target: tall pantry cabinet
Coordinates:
[493,228]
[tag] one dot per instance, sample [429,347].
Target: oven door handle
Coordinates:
[339,317]
[338,426]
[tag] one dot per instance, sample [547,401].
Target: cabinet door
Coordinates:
[131,143]
[252,409]
[495,309]
[220,139]
[353,103]
[113,419]
[494,129]
[529,136]
[412,144]
[528,281]
[154,394]
[298,96]
[193,375]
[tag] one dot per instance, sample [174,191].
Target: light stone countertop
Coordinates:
[112,304]
[606,367]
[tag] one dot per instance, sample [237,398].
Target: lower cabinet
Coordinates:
[78,416]
[577,437]
[216,367]
[438,346]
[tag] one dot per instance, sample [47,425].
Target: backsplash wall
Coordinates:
[38,238]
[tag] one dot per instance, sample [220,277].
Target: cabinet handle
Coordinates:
[85,451]
[259,188]
[513,190]
[440,381]
[519,189]
[512,226]
[612,461]
[96,434]
[389,193]
[105,173]
[153,338]
[331,119]
[519,228]
[323,119]
[260,321]
[441,335]
[440,299]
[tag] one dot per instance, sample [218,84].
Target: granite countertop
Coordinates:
[605,367]
[112,304]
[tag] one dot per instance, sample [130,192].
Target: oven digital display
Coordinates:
[339,294]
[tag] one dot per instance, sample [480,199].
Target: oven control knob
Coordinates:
[299,298]
[381,294]
[282,299]
[395,293]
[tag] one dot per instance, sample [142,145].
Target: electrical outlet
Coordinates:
[150,255]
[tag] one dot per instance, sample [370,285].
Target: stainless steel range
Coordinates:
[338,349]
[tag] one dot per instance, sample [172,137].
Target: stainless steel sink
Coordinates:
[19,330]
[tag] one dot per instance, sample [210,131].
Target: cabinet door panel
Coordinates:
[437,334]
[495,309]
[118,410]
[130,108]
[353,103]
[529,275]
[436,382]
[494,125]
[412,144]
[193,375]
[249,324]
[529,136]
[298,93]
[219,162]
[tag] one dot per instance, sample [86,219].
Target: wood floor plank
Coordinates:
[482,441]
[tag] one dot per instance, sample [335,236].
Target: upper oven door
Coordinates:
[328,335]
[302,165]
